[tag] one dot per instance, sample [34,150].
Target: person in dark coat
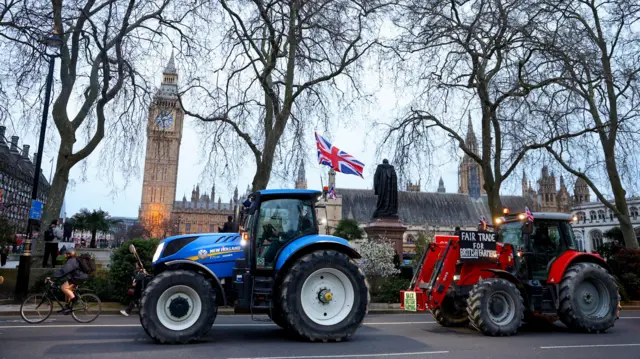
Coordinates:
[139,278]
[75,276]
[230,226]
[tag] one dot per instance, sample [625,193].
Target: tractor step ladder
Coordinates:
[261,296]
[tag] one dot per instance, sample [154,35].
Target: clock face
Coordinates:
[164,120]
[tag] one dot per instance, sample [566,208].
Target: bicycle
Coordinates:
[42,304]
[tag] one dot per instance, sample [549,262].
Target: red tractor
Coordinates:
[528,268]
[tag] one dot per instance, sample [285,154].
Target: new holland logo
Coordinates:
[202,254]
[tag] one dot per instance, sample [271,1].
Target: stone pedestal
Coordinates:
[389,228]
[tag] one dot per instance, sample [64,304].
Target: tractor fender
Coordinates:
[310,243]
[195,266]
[562,262]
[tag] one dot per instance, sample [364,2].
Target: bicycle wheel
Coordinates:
[87,309]
[36,309]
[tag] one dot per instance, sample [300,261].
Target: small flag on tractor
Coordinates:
[340,161]
[529,214]
[483,223]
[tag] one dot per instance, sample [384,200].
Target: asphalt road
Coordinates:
[383,336]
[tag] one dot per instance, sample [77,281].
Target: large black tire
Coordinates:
[495,307]
[194,285]
[298,321]
[589,298]
[447,315]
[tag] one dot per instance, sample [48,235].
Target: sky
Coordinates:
[93,192]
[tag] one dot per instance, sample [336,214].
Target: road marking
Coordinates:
[591,346]
[349,356]
[215,325]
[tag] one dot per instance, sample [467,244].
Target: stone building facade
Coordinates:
[16,182]
[160,212]
[595,219]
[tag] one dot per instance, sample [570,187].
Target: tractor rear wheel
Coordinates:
[178,307]
[589,298]
[448,316]
[324,296]
[495,307]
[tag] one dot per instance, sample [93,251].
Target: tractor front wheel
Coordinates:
[178,307]
[324,296]
[589,298]
[448,315]
[495,307]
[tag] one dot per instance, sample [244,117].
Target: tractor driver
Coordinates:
[296,223]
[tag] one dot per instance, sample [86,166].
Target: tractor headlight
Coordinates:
[456,277]
[156,255]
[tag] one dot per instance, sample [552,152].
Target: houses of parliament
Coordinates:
[160,213]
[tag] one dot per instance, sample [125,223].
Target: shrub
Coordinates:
[123,264]
[390,287]
[377,262]
[627,269]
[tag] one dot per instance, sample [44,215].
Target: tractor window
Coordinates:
[281,221]
[511,233]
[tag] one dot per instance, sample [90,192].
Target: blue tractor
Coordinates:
[277,264]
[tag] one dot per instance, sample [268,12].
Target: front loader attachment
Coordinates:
[433,276]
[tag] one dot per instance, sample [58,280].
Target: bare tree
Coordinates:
[598,45]
[283,63]
[103,51]
[472,54]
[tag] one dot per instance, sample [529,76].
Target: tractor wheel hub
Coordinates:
[325,296]
[179,307]
[588,297]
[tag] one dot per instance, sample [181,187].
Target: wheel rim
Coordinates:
[327,296]
[36,309]
[87,308]
[179,307]
[593,298]
[501,308]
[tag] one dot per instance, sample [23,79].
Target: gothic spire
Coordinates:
[471,141]
[170,69]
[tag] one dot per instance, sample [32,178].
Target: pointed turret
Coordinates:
[301,180]
[471,141]
[235,194]
[170,69]
[213,192]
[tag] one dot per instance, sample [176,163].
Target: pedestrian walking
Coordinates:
[4,253]
[230,226]
[140,278]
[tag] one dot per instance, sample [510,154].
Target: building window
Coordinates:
[593,216]
[633,212]
[212,228]
[596,240]
[601,215]
[200,228]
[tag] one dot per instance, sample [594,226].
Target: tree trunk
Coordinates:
[619,195]
[493,197]
[53,205]
[263,172]
[93,238]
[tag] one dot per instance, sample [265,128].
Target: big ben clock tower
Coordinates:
[164,133]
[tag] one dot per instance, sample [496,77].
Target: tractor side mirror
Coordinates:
[527,228]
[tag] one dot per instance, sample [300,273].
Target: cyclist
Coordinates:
[76,276]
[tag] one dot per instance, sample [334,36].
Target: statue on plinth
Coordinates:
[385,185]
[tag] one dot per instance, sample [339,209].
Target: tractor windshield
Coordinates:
[279,222]
[511,232]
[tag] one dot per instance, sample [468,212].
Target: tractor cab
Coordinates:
[538,242]
[272,219]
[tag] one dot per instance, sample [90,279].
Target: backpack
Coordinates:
[48,235]
[86,264]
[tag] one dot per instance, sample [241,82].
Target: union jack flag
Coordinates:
[337,159]
[332,193]
[529,214]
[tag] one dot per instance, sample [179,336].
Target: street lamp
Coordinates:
[24,267]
